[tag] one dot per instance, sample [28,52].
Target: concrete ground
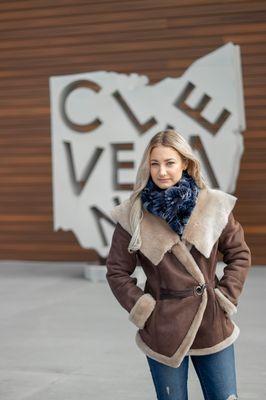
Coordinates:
[64,337]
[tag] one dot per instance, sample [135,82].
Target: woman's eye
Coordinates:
[169,163]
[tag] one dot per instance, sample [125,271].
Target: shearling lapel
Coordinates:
[156,235]
[208,218]
[159,237]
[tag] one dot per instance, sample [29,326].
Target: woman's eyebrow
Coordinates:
[168,159]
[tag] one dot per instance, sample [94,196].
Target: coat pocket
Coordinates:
[169,323]
[142,309]
[225,303]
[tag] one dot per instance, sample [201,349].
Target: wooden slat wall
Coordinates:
[157,38]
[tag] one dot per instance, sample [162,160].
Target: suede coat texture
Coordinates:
[196,324]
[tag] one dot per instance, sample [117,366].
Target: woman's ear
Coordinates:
[185,164]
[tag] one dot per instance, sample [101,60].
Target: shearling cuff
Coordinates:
[142,309]
[225,303]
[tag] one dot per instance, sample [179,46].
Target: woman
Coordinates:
[174,225]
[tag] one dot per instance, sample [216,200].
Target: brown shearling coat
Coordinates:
[198,321]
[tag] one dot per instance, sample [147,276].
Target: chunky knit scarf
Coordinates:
[174,204]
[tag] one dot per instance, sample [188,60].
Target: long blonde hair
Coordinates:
[169,138]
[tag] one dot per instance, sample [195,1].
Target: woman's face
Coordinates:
[166,166]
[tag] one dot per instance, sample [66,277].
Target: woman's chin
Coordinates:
[165,184]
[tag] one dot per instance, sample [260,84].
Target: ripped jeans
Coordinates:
[216,373]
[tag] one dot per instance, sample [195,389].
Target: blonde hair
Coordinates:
[169,138]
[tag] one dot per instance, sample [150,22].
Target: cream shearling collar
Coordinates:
[206,223]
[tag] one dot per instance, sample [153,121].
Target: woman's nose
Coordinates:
[162,171]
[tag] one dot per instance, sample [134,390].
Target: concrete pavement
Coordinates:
[64,337]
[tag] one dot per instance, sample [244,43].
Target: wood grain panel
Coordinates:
[157,38]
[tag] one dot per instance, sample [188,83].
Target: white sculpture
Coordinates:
[94,115]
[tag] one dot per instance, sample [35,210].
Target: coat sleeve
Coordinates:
[237,257]
[120,265]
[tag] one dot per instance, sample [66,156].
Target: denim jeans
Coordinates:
[216,373]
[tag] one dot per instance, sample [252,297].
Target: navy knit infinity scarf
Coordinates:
[174,204]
